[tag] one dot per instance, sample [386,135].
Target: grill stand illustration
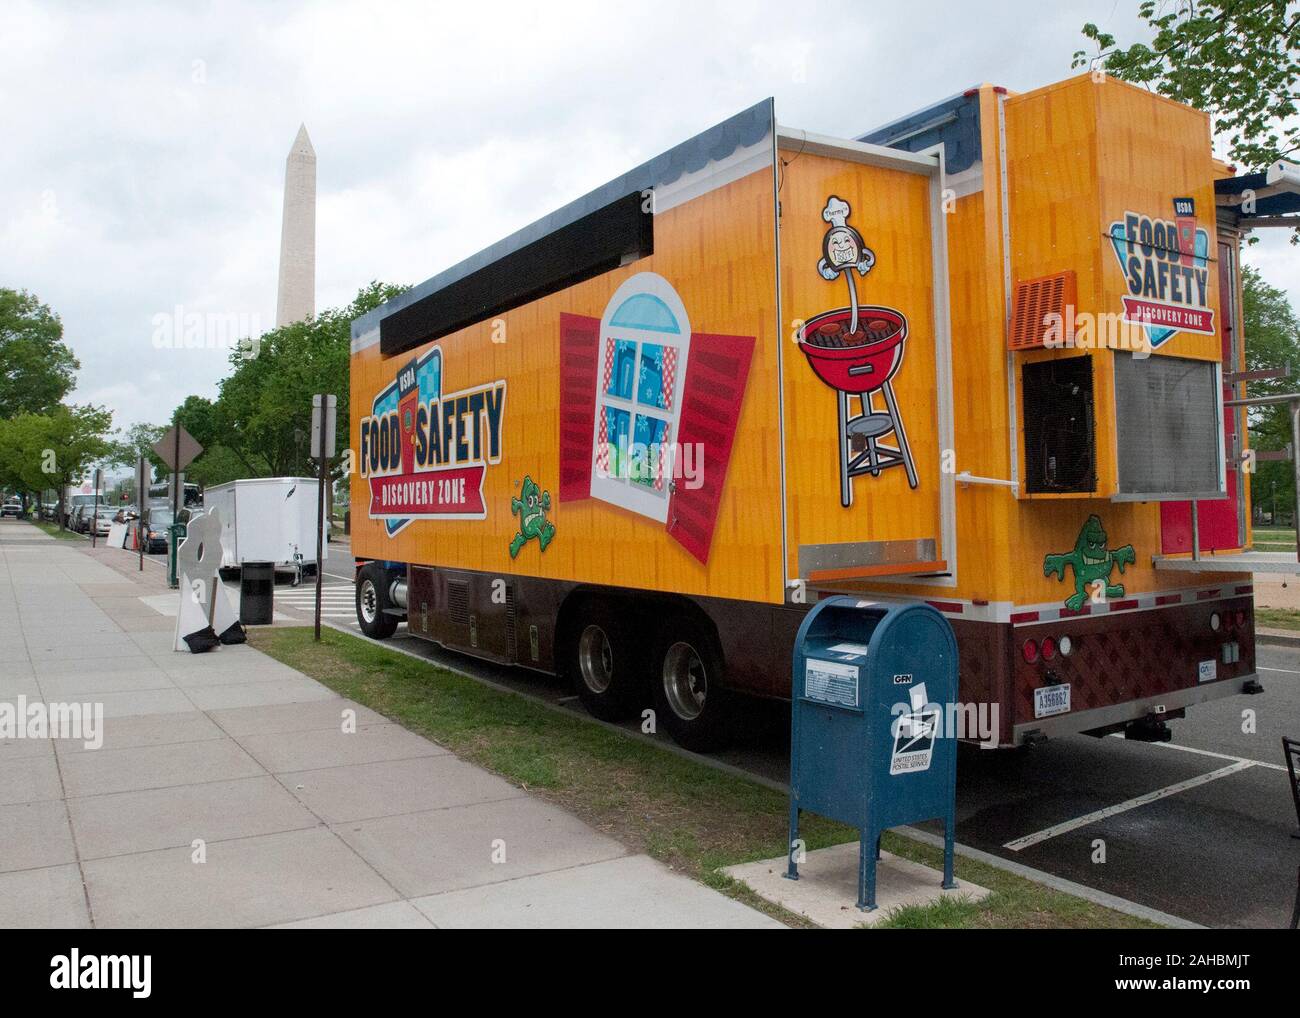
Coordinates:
[857,350]
[870,426]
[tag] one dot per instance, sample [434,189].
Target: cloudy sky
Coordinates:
[144,143]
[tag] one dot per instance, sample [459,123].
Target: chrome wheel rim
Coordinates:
[686,683]
[368,601]
[595,659]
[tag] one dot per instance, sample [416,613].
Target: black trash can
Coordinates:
[256,593]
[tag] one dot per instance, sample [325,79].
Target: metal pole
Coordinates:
[139,510]
[173,577]
[94,518]
[320,506]
[1196,533]
[1295,468]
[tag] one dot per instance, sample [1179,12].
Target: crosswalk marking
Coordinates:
[338,600]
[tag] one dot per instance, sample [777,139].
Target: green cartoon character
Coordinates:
[1092,562]
[531,508]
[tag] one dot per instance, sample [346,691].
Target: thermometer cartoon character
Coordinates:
[843,252]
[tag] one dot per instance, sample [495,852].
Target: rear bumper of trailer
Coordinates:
[1147,657]
[1158,706]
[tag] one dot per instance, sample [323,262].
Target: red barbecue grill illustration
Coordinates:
[857,350]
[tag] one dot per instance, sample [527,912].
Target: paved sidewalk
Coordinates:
[226,792]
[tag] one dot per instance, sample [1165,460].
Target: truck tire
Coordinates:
[603,663]
[372,600]
[690,702]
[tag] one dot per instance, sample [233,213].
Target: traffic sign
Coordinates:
[330,415]
[177,448]
[143,475]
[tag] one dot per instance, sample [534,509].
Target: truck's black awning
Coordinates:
[1270,200]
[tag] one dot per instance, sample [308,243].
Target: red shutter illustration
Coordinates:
[579,355]
[716,371]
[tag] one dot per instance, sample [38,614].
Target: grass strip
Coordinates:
[693,818]
[54,530]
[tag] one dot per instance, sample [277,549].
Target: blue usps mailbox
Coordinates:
[869,744]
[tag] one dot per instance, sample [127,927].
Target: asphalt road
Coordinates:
[1199,828]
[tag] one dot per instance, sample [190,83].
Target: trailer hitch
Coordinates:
[1148,729]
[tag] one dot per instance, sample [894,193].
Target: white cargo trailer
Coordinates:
[267,519]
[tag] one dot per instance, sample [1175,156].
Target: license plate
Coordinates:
[1052,700]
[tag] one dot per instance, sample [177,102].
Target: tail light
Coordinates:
[1215,621]
[1030,651]
[1048,648]
[1065,646]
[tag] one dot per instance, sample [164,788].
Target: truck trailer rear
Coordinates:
[979,358]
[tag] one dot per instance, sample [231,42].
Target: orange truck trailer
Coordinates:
[978,357]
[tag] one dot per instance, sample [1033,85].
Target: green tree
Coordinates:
[138,441]
[1234,59]
[36,367]
[1272,341]
[55,449]
[260,423]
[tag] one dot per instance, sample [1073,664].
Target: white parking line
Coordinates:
[1124,807]
[1208,752]
[1266,668]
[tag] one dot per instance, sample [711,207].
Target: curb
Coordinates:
[1278,637]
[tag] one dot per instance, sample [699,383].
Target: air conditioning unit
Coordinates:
[1060,426]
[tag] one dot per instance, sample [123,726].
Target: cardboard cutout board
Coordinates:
[205,618]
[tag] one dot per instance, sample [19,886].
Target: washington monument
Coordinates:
[296,300]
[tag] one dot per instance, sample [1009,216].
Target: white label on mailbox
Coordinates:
[831,682]
[1207,671]
[1052,700]
[848,648]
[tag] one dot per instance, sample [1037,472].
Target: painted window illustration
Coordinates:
[649,409]
[645,339]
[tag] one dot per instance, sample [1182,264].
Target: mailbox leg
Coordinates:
[792,867]
[949,838]
[866,871]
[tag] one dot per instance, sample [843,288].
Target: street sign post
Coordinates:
[142,475]
[177,448]
[324,411]
[94,520]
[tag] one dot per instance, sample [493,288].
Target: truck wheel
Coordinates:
[606,676]
[372,599]
[689,699]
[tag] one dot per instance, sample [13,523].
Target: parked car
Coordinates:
[157,519]
[103,520]
[49,511]
[13,509]
[81,517]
